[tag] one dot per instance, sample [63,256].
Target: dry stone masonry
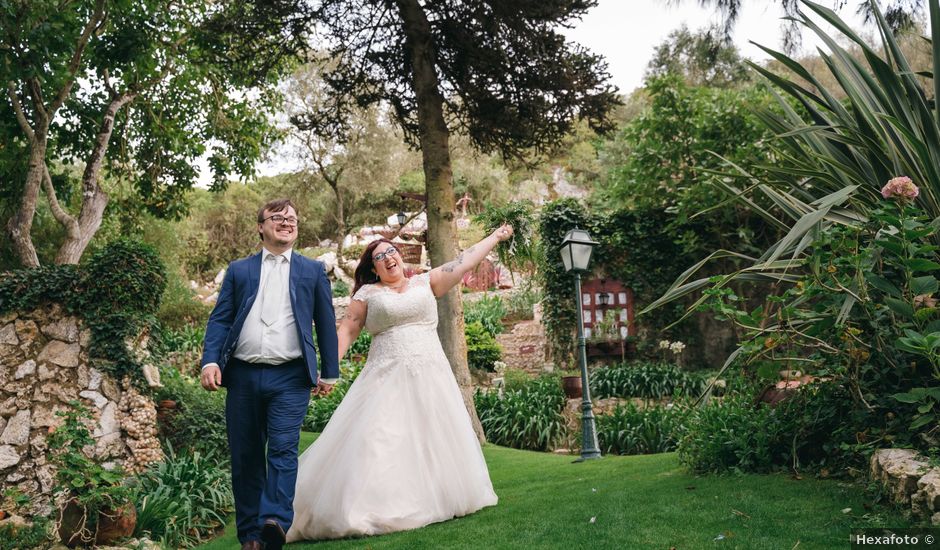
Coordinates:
[44,364]
[909,480]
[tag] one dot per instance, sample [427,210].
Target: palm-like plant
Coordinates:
[834,153]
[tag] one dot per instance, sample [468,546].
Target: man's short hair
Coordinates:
[277,205]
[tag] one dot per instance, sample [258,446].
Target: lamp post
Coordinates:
[401,218]
[576,251]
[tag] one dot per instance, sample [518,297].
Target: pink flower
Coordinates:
[901,188]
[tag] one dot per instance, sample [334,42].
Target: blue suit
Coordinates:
[266,404]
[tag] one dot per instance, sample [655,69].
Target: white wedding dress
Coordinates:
[400,451]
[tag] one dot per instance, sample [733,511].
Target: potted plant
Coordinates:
[97,508]
[605,339]
[571,383]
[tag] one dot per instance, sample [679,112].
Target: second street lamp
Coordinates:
[576,249]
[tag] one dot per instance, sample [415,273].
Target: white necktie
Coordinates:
[273,292]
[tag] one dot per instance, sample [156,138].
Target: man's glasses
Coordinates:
[382,255]
[277,218]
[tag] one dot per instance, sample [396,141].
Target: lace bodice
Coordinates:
[388,308]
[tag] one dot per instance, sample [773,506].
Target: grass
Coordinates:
[637,502]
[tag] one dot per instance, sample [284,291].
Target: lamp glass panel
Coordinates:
[566,256]
[581,255]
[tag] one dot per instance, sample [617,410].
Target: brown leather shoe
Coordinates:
[252,545]
[273,535]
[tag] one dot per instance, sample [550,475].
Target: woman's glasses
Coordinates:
[382,255]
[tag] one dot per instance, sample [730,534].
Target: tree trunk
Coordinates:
[21,223]
[340,213]
[94,199]
[433,137]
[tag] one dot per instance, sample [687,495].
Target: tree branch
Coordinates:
[20,114]
[68,221]
[94,23]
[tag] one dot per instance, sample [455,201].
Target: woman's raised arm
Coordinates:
[443,278]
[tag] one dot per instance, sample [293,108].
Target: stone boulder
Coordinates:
[898,470]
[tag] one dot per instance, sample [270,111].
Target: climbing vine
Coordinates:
[116,293]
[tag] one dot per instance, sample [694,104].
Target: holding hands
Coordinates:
[321,389]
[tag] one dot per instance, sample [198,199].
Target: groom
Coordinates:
[259,346]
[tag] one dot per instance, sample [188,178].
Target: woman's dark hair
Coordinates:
[365,271]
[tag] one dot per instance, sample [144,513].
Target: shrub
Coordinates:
[816,427]
[528,418]
[733,434]
[124,272]
[184,338]
[180,308]
[515,379]
[353,252]
[38,534]
[361,345]
[488,311]
[199,421]
[632,431]
[184,500]
[519,302]
[91,487]
[322,408]
[482,349]
[340,288]
[650,380]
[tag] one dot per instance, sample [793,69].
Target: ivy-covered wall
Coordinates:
[116,293]
[637,247]
[77,334]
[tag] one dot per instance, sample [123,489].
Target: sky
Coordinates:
[626,33]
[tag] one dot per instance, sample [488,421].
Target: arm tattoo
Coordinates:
[450,266]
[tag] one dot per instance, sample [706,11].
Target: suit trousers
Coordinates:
[265,407]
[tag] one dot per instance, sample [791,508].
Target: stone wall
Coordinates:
[909,480]
[44,364]
[524,347]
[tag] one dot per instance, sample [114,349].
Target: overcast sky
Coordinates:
[626,32]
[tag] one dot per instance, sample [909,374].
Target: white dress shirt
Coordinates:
[278,343]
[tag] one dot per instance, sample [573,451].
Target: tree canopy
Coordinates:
[124,86]
[509,80]
[701,57]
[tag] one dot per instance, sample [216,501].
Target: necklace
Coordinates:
[396,287]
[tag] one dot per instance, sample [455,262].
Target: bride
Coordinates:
[399,452]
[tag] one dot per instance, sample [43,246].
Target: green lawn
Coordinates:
[545,501]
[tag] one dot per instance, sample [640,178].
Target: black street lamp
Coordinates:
[576,251]
[401,218]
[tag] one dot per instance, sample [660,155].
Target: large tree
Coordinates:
[362,157]
[700,57]
[499,72]
[122,86]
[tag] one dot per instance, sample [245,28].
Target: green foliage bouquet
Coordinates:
[518,253]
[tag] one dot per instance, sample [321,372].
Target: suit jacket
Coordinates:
[310,298]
